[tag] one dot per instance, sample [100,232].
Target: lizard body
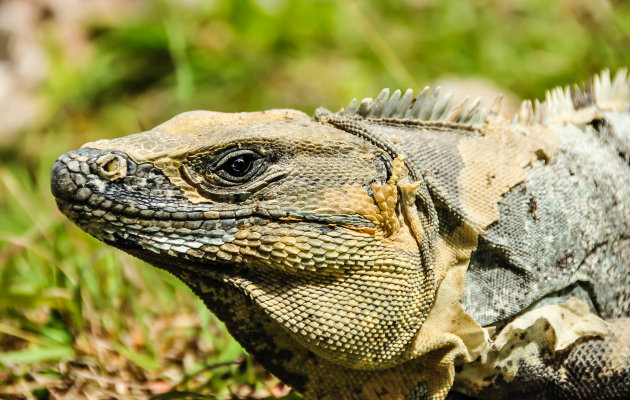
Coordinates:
[398,249]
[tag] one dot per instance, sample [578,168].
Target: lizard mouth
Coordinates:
[171,257]
[218,271]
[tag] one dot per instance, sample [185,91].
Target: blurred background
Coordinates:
[81,320]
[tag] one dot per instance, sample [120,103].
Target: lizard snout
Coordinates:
[69,175]
[77,174]
[60,181]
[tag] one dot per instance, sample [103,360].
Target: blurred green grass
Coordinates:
[76,316]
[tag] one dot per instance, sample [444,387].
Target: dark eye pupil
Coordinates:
[239,166]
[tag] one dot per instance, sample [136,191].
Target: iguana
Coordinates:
[401,248]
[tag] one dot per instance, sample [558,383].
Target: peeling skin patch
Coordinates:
[400,230]
[619,344]
[494,163]
[381,209]
[546,330]
[448,327]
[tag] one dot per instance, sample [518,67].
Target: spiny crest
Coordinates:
[578,104]
[427,106]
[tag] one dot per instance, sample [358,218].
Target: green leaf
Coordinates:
[180,395]
[148,363]
[36,354]
[231,352]
[59,335]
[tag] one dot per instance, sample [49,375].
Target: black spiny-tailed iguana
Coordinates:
[398,249]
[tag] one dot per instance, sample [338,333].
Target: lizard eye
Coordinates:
[233,174]
[238,166]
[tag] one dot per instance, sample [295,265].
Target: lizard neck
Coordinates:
[278,351]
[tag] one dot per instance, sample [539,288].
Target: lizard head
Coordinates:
[300,219]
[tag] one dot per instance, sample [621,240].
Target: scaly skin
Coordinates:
[394,250]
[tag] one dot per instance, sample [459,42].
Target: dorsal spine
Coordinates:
[567,104]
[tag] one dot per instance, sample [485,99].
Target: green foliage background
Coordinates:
[69,304]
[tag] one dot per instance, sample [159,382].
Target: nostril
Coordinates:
[112,166]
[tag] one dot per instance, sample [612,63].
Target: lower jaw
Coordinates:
[219,273]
